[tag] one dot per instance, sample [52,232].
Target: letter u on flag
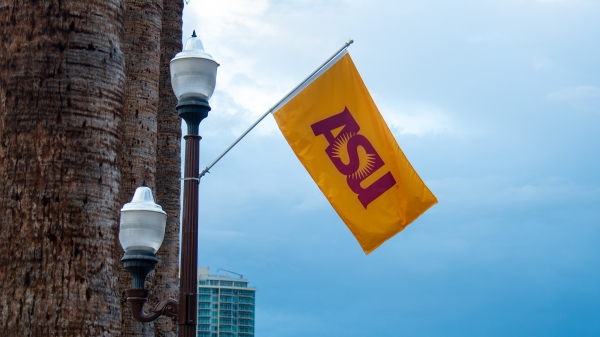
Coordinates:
[335,129]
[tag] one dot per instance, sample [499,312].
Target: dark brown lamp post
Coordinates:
[193,77]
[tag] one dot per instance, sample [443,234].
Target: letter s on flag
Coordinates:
[355,171]
[337,132]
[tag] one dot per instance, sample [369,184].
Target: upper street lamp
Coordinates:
[193,77]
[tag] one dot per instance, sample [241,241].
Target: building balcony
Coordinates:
[203,327]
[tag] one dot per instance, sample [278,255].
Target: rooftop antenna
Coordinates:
[229,271]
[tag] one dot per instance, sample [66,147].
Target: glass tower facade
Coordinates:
[225,306]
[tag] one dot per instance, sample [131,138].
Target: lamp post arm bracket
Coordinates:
[138,297]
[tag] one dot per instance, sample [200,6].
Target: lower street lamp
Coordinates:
[142,231]
[193,77]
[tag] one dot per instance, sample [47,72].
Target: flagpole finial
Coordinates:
[349,42]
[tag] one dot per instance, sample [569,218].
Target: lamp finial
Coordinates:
[194,33]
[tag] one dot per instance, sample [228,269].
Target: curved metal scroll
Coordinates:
[138,297]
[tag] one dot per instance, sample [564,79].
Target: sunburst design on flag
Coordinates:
[367,164]
[366,160]
[340,143]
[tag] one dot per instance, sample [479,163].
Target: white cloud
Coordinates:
[506,192]
[556,1]
[583,92]
[232,18]
[489,37]
[584,98]
[417,119]
[550,2]
[542,63]
[245,90]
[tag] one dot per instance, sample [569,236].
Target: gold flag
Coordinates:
[337,132]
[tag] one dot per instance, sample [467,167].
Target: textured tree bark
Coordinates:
[168,171]
[61,94]
[143,24]
[78,133]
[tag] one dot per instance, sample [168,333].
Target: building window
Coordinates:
[245,322]
[246,307]
[246,300]
[226,313]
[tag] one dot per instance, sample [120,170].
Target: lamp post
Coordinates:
[193,77]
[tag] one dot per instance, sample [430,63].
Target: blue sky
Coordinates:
[497,106]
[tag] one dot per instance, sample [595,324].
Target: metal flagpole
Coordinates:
[206,170]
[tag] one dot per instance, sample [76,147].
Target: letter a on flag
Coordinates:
[335,129]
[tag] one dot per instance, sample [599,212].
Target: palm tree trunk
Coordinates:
[61,94]
[168,172]
[143,24]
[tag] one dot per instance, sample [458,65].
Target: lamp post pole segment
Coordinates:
[192,111]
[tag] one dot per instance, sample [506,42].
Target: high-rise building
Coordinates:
[225,305]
